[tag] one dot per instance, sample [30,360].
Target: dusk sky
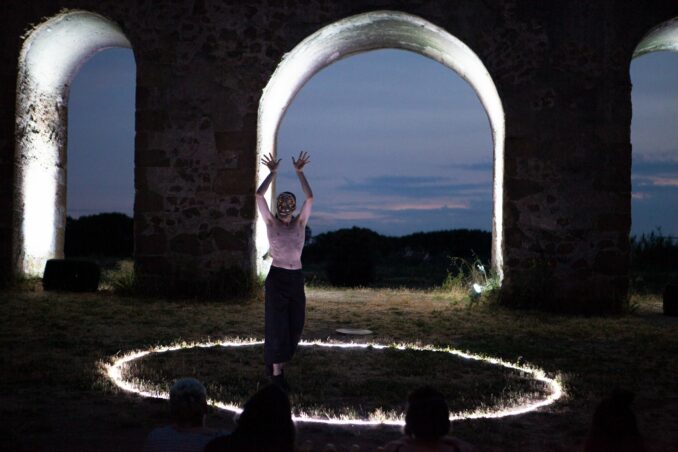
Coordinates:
[398,143]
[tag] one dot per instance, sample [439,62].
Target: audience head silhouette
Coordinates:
[265,423]
[427,417]
[614,426]
[188,402]
[187,433]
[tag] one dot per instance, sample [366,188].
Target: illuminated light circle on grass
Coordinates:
[555,389]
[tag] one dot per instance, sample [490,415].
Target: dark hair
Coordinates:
[428,416]
[614,426]
[188,402]
[265,423]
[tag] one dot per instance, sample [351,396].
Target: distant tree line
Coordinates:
[101,235]
[654,261]
[654,251]
[466,243]
[359,256]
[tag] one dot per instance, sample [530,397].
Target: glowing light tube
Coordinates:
[555,390]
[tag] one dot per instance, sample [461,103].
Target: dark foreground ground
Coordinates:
[53,395]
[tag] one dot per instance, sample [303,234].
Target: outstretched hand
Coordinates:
[271,162]
[301,161]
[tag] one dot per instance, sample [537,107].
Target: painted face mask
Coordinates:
[286,204]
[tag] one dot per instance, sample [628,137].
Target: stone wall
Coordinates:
[561,70]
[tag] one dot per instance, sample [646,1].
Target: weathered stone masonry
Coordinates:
[561,70]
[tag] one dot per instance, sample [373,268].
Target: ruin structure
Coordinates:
[214,78]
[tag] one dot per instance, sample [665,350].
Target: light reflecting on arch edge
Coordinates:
[371,31]
[51,55]
[663,37]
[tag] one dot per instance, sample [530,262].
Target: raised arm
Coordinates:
[262,205]
[299,164]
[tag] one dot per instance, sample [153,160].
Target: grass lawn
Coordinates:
[54,396]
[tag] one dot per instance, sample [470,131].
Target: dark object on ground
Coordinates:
[614,426]
[671,300]
[71,275]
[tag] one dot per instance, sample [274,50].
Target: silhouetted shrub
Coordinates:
[121,279]
[468,244]
[351,257]
[654,262]
[105,234]
[654,251]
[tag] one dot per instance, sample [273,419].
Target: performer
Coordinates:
[284,288]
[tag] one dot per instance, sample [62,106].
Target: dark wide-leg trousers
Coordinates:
[285,314]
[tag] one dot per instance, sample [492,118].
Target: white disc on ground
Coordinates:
[353,331]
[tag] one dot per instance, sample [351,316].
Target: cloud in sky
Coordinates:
[656,164]
[478,166]
[652,209]
[653,175]
[422,188]
[403,219]
[665,181]
[431,205]
[654,200]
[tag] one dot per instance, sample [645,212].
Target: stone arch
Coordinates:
[50,57]
[371,31]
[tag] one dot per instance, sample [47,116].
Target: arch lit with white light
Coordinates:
[51,55]
[371,31]
[554,390]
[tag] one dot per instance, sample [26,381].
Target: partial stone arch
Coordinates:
[660,38]
[663,37]
[371,31]
[50,57]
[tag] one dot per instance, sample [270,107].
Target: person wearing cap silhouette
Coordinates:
[285,300]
